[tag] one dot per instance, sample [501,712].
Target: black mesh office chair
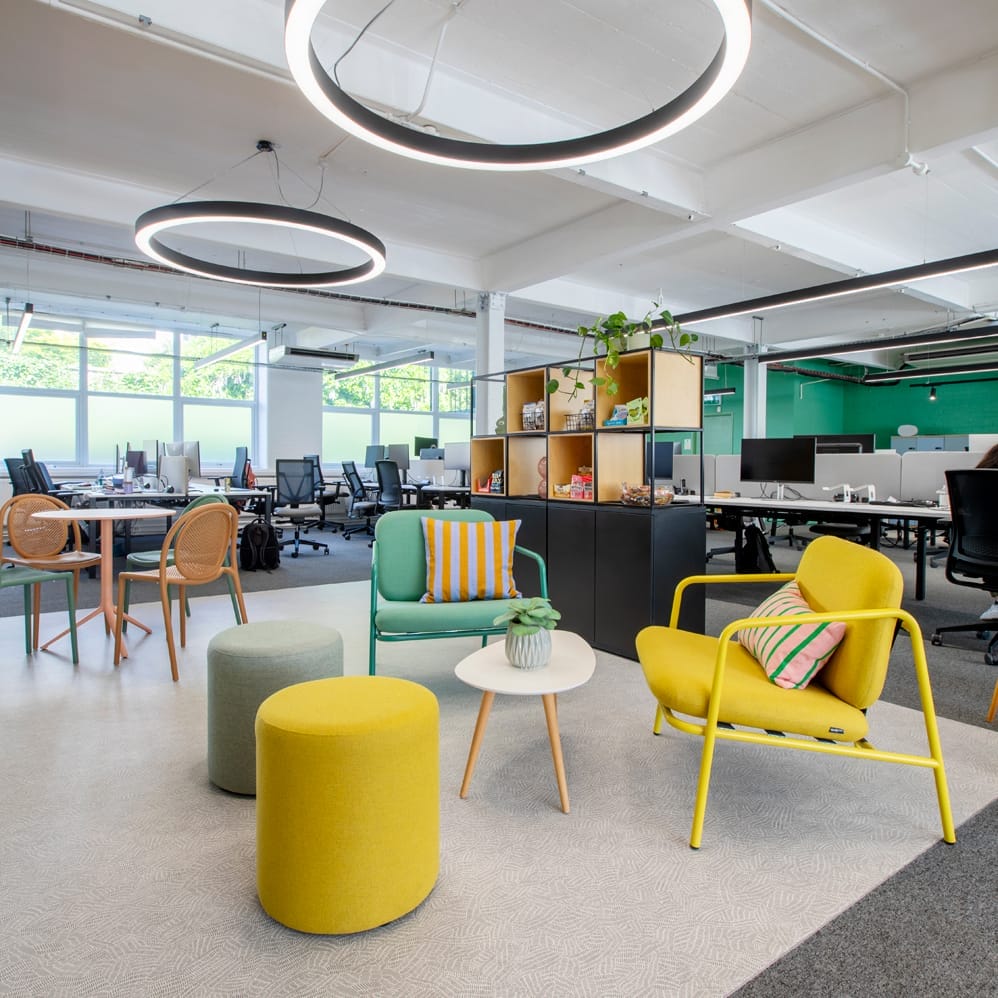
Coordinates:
[295,501]
[973,550]
[323,498]
[362,507]
[239,468]
[389,486]
[21,481]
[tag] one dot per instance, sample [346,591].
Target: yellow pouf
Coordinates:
[348,802]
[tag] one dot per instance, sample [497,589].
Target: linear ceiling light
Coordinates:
[938,336]
[929,355]
[836,289]
[422,357]
[709,393]
[22,327]
[925,372]
[233,348]
[328,98]
[171,216]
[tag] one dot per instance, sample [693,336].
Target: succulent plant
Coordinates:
[528,616]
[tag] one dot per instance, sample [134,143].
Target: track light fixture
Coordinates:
[233,348]
[932,393]
[326,95]
[420,357]
[22,327]
[921,372]
[836,289]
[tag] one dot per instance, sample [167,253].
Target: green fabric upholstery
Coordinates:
[400,549]
[246,664]
[398,581]
[473,615]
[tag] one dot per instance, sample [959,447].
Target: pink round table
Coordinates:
[106,516]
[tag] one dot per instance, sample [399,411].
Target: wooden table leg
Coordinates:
[551,713]
[476,740]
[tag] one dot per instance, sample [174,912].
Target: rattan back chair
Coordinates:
[199,548]
[45,545]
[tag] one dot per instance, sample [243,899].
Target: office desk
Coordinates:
[461,494]
[864,513]
[106,517]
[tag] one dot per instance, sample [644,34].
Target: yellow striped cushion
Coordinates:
[469,560]
[791,653]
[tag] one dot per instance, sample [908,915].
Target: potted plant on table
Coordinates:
[528,634]
[612,335]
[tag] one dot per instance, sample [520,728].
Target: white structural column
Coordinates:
[489,359]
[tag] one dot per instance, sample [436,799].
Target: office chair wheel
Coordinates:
[937,640]
[990,659]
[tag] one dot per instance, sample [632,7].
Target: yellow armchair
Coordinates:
[718,681]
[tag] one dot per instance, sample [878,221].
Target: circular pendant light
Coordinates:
[152,223]
[352,116]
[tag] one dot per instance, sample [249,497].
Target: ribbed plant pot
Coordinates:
[528,651]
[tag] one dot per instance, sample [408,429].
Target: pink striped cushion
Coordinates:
[469,560]
[791,653]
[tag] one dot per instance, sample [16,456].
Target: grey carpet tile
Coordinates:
[126,873]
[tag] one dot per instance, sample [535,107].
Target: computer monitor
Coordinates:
[457,457]
[658,460]
[373,454]
[192,455]
[778,459]
[151,448]
[419,444]
[136,460]
[190,451]
[399,453]
[431,454]
[844,443]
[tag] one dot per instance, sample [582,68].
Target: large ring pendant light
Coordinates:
[352,116]
[149,225]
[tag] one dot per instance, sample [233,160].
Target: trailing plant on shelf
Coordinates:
[611,336]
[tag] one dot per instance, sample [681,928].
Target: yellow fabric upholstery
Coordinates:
[679,669]
[845,576]
[348,802]
[716,679]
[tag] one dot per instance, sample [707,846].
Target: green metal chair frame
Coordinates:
[31,579]
[398,580]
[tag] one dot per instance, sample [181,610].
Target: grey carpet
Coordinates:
[931,929]
[125,873]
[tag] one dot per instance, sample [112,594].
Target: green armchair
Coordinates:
[398,581]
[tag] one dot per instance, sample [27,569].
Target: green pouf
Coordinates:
[246,664]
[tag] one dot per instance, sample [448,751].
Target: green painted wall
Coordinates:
[806,404]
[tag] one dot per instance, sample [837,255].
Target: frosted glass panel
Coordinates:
[345,436]
[46,425]
[117,421]
[219,430]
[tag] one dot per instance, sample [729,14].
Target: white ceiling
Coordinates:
[796,178]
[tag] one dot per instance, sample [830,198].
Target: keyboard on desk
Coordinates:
[909,503]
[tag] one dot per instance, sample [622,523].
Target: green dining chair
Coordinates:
[31,579]
[141,561]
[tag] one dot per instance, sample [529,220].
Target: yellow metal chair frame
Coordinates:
[715,728]
[199,548]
